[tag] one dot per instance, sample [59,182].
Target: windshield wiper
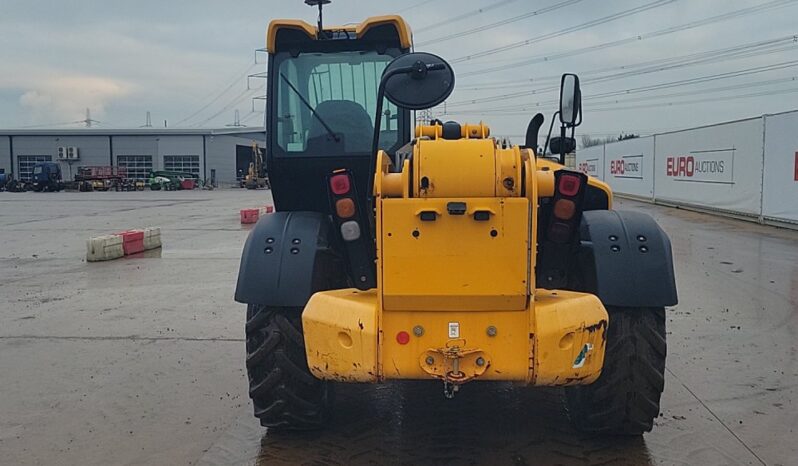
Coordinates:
[332,134]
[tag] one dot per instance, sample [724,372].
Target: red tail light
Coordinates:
[569,185]
[566,205]
[339,184]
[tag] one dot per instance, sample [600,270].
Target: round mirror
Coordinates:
[418,81]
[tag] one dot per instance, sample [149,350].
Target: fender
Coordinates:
[287,257]
[626,259]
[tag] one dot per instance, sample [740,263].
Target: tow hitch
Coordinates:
[453,365]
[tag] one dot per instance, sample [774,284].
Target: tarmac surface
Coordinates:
[141,360]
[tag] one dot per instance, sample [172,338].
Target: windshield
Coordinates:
[326,104]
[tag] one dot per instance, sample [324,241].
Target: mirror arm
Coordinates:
[562,144]
[376,137]
[548,136]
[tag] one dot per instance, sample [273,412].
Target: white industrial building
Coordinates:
[223,154]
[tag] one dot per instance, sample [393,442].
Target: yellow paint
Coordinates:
[454,263]
[340,331]
[538,345]
[475,173]
[455,271]
[564,322]
[467,131]
[403,29]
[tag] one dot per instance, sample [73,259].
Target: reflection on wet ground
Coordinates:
[411,423]
[142,361]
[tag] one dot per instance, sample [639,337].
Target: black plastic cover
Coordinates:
[627,259]
[288,257]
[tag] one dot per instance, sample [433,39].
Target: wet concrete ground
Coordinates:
[140,360]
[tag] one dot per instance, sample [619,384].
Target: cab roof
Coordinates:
[285,32]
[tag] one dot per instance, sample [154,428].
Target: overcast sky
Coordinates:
[173,58]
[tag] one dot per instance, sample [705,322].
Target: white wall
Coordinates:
[781,167]
[590,161]
[629,166]
[718,167]
[747,167]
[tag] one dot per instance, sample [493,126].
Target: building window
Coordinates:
[26,163]
[182,163]
[138,166]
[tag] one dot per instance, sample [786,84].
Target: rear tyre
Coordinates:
[285,395]
[625,398]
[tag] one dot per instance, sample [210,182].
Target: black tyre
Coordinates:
[284,393]
[625,398]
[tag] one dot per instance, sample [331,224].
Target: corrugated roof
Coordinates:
[130,131]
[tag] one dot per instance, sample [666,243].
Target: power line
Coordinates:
[496,24]
[661,32]
[690,102]
[589,106]
[757,49]
[568,30]
[232,103]
[237,79]
[460,17]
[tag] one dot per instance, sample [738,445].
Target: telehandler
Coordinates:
[440,256]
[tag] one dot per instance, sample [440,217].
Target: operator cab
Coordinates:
[322,102]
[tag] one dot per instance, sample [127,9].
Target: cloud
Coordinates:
[66,98]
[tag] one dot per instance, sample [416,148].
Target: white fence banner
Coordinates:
[781,167]
[718,167]
[590,161]
[629,166]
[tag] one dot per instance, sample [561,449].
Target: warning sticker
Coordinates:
[454,329]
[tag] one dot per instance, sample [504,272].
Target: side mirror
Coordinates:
[417,81]
[570,100]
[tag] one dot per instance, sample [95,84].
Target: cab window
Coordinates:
[326,104]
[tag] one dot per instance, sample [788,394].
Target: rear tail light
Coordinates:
[567,205]
[564,209]
[350,230]
[350,219]
[339,184]
[569,185]
[345,208]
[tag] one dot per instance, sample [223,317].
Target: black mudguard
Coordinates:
[626,259]
[289,256]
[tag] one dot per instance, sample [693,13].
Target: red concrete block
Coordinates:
[132,241]
[249,216]
[269,209]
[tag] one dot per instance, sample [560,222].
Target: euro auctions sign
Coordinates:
[627,166]
[589,167]
[706,166]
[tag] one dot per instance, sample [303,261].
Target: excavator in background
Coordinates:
[256,177]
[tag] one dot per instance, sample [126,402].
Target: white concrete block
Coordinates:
[152,238]
[103,248]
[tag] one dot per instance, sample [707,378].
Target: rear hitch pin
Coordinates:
[450,389]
